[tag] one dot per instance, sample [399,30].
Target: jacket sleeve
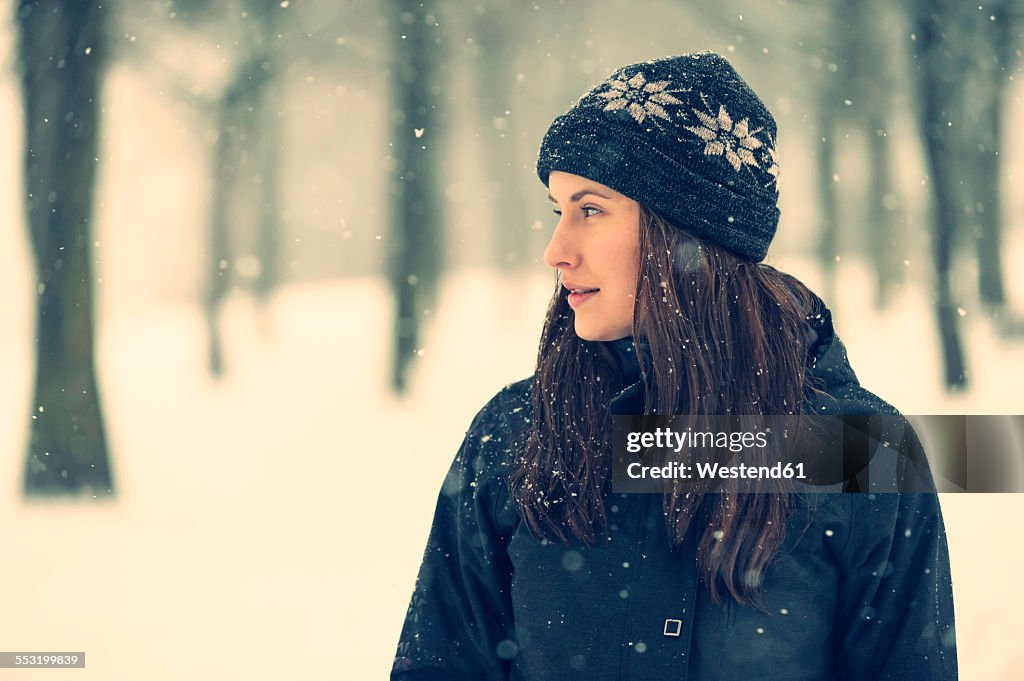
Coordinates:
[895,616]
[459,621]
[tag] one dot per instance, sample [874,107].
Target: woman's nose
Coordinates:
[559,252]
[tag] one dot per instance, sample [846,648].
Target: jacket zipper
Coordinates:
[641,539]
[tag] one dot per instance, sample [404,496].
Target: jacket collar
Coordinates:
[827,360]
[828,366]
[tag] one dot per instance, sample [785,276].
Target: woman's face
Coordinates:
[595,248]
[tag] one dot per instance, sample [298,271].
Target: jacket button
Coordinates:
[673,627]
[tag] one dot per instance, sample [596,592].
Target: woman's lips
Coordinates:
[577,299]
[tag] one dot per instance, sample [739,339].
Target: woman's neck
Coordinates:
[627,356]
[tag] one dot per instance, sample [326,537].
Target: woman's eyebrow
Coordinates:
[580,194]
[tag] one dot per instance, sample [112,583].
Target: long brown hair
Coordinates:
[726,337]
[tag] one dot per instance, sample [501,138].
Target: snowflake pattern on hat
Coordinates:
[724,138]
[771,160]
[650,100]
[734,141]
[639,97]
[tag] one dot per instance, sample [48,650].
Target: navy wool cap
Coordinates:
[685,137]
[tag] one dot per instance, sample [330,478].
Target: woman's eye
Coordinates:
[588,211]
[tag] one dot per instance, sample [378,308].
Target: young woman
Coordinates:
[664,181]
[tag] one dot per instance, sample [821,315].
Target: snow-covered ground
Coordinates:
[270,525]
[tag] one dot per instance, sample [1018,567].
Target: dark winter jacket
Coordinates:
[860,590]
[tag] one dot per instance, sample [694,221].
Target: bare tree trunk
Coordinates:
[828,197]
[268,226]
[996,47]
[218,283]
[873,57]
[886,243]
[835,87]
[266,137]
[940,74]
[495,76]
[416,235]
[62,49]
[235,128]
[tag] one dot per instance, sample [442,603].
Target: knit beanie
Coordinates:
[685,137]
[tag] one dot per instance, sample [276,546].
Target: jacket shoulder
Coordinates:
[504,416]
[482,466]
[490,442]
[851,399]
[509,402]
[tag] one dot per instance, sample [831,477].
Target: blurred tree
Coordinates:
[855,92]
[979,45]
[872,56]
[62,49]
[232,62]
[240,105]
[266,128]
[992,54]
[225,172]
[247,141]
[941,68]
[495,27]
[827,108]
[416,232]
